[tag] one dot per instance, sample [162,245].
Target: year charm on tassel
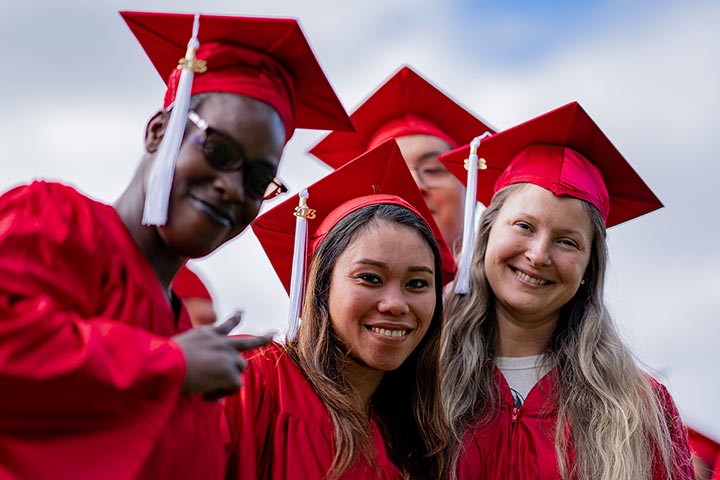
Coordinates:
[482,164]
[302,210]
[195,65]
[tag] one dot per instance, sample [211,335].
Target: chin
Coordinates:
[194,250]
[386,365]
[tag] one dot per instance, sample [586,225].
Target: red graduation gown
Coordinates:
[706,449]
[280,428]
[90,383]
[519,443]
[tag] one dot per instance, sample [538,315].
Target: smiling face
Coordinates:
[208,207]
[537,253]
[443,193]
[382,294]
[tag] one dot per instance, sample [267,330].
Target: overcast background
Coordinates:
[77,90]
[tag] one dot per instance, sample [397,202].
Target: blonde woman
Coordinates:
[537,382]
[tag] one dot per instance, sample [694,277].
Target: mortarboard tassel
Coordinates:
[462,283]
[157,195]
[297,279]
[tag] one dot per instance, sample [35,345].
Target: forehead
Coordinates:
[252,123]
[419,148]
[560,212]
[389,242]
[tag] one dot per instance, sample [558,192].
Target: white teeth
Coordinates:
[528,278]
[389,333]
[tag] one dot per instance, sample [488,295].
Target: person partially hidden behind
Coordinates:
[425,122]
[99,378]
[195,296]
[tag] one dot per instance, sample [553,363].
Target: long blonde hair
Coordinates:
[407,401]
[617,426]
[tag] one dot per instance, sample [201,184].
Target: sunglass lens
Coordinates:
[222,155]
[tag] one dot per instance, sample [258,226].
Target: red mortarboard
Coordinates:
[565,152]
[406,104]
[704,447]
[187,284]
[377,177]
[268,59]
[265,59]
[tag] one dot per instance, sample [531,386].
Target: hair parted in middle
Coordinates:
[407,402]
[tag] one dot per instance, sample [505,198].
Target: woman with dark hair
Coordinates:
[537,382]
[356,393]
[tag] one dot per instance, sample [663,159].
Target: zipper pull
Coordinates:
[515,412]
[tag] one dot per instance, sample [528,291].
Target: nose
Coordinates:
[230,186]
[538,252]
[393,302]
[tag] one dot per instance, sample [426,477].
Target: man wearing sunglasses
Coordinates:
[100,373]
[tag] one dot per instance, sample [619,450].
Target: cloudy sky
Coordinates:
[77,91]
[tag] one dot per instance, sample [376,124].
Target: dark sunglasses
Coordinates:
[223,153]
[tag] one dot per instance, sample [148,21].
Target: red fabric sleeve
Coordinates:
[703,446]
[61,367]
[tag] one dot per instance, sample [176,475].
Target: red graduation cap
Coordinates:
[378,177]
[262,58]
[406,104]
[380,172]
[565,152]
[268,59]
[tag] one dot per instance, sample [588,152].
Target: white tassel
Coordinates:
[462,283]
[160,179]
[297,279]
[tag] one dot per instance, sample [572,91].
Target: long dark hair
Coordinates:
[407,401]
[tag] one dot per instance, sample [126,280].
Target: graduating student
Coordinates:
[425,122]
[355,394]
[536,379]
[98,377]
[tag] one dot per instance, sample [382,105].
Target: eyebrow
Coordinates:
[434,154]
[567,231]
[375,263]
[562,231]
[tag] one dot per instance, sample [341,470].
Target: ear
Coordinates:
[155,130]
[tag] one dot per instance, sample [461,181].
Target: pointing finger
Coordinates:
[245,343]
[228,325]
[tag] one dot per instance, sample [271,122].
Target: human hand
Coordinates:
[212,358]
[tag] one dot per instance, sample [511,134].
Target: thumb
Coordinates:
[248,342]
[228,325]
